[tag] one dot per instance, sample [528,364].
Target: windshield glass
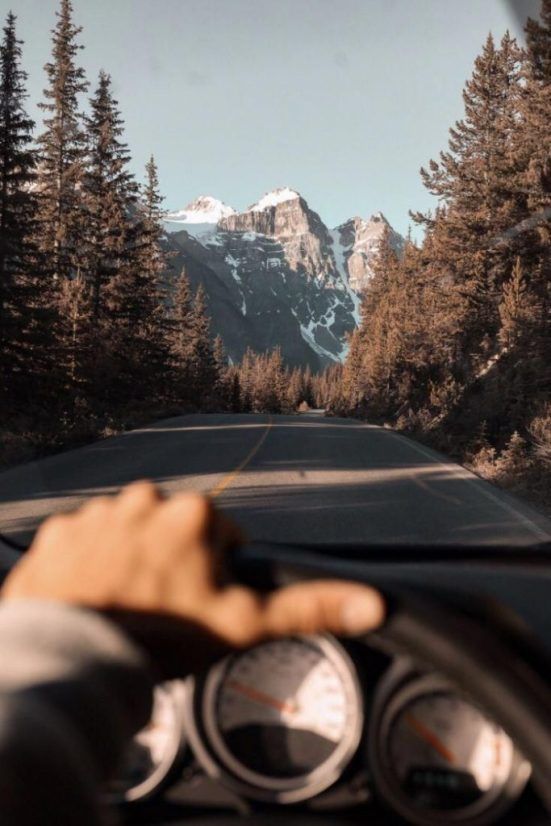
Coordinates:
[296,256]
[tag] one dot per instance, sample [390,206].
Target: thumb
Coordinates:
[342,608]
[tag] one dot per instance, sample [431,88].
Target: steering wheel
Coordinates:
[496,664]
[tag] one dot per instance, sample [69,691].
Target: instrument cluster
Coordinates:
[289,720]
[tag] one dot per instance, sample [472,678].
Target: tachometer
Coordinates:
[438,759]
[282,719]
[153,751]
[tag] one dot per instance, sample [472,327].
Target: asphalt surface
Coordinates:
[296,479]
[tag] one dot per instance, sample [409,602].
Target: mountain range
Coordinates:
[275,274]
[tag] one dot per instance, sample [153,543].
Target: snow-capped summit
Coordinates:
[273,198]
[200,218]
[203,210]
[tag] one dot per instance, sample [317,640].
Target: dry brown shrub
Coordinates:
[540,435]
[483,462]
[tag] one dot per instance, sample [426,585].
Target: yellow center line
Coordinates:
[228,479]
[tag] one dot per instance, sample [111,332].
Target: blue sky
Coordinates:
[343,100]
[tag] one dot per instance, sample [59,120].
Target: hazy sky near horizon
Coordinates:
[342,100]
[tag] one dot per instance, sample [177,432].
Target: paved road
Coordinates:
[285,478]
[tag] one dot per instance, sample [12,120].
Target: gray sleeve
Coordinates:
[73,689]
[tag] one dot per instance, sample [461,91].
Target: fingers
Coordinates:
[194,520]
[52,532]
[138,499]
[341,608]
[189,515]
[134,500]
[243,618]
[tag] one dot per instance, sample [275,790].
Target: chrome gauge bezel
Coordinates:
[216,759]
[160,776]
[389,702]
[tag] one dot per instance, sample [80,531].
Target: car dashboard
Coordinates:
[312,731]
[316,729]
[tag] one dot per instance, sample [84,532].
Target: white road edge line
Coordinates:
[478,483]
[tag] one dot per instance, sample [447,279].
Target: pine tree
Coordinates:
[273,384]
[203,368]
[328,390]
[525,308]
[367,372]
[532,137]
[538,37]
[514,462]
[518,310]
[219,353]
[110,194]
[246,380]
[465,176]
[140,304]
[179,324]
[19,289]
[222,390]
[479,202]
[533,149]
[354,386]
[62,151]
[263,382]
[525,372]
[235,405]
[150,262]
[470,248]
[61,218]
[307,387]
[152,211]
[294,394]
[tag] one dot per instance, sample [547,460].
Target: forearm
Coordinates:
[73,689]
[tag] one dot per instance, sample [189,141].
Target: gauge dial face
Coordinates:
[447,754]
[152,751]
[285,715]
[437,759]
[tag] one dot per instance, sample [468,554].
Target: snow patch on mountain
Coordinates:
[201,216]
[272,199]
[203,210]
[308,334]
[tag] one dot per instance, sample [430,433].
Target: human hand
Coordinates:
[156,566]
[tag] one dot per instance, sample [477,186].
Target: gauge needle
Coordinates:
[426,734]
[259,696]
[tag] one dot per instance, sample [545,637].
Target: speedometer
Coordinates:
[284,718]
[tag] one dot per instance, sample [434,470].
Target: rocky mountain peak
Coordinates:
[359,241]
[378,218]
[278,213]
[375,224]
[276,275]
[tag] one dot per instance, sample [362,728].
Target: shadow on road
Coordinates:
[313,480]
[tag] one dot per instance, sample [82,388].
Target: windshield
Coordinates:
[294,256]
